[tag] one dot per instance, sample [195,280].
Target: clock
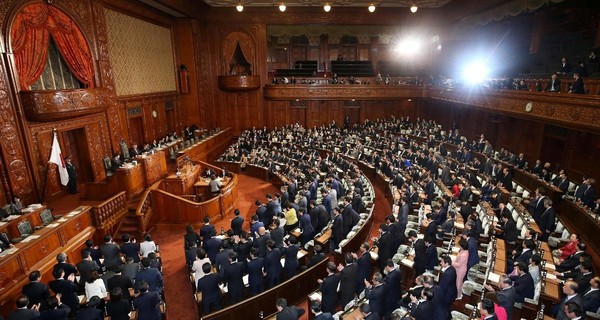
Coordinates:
[529,106]
[154,114]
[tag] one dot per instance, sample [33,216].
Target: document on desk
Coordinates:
[8,251]
[494,277]
[407,262]
[315,296]
[53,225]
[31,237]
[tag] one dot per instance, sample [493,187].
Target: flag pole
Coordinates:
[54,131]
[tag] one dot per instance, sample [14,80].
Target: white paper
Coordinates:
[494,277]
[407,262]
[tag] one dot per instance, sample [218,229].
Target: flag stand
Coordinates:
[54,134]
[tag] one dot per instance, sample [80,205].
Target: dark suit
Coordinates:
[420,256]
[85,268]
[131,250]
[432,257]
[561,315]
[364,271]
[348,277]
[211,293]
[578,87]
[277,235]
[120,281]
[524,287]
[111,252]
[423,311]
[553,87]
[59,313]
[290,313]
[68,291]
[254,268]
[147,305]
[316,259]
[509,231]
[236,225]
[376,296]
[591,301]
[447,282]
[212,247]
[291,260]
[68,268]
[329,298]
[441,309]
[324,316]
[153,277]
[233,279]
[90,313]
[206,231]
[337,231]
[349,218]
[506,299]
[547,221]
[393,287]
[37,292]
[386,251]
[24,314]
[261,244]
[273,267]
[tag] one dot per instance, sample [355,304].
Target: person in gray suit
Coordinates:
[506,296]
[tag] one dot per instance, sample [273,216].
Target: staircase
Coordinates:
[130,223]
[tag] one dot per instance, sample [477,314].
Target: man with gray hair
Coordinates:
[62,263]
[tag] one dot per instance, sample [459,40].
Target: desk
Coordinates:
[201,186]
[183,183]
[575,217]
[155,166]
[131,179]
[38,252]
[531,182]
[10,227]
[206,148]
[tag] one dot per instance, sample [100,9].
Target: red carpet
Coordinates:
[180,300]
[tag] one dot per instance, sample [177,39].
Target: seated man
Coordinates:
[553,84]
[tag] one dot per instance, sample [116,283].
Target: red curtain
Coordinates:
[30,39]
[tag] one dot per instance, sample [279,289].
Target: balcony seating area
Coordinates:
[352,68]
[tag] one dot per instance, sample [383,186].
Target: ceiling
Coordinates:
[332,3]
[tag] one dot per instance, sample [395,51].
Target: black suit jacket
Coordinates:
[290,313]
[206,231]
[524,287]
[90,313]
[24,314]
[376,296]
[420,256]
[68,291]
[111,252]
[254,268]
[120,281]
[570,262]
[393,287]
[277,235]
[131,250]
[348,283]
[85,268]
[337,230]
[591,301]
[329,294]
[37,292]
[261,244]
[233,278]
[236,225]
[423,311]
[147,305]
[556,86]
[209,286]
[510,231]
[447,282]
[60,313]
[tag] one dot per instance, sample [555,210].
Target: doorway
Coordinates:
[76,147]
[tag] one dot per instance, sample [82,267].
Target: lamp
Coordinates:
[239,7]
[372,8]
[327,7]
[414,8]
[282,7]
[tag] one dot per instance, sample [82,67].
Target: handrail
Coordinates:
[144,208]
[107,213]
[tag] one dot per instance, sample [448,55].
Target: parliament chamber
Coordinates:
[371,142]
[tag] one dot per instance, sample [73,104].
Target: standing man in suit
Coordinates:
[72,184]
[119,281]
[286,312]
[232,277]
[364,267]
[375,293]
[147,302]
[206,232]
[150,276]
[547,220]
[315,308]
[328,288]
[67,288]
[57,310]
[591,298]
[36,291]
[430,253]
[509,229]
[86,266]
[422,306]
[447,280]
[523,283]
[261,242]
[393,287]
[420,248]
[23,312]
[384,243]
[337,229]
[348,275]
[130,248]
[290,251]
[254,269]
[208,286]
[349,216]
[111,252]
[272,264]
[237,223]
[62,263]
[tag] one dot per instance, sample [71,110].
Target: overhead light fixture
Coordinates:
[239,7]
[282,7]
[327,7]
[372,8]
[414,8]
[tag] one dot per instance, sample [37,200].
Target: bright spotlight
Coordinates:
[282,7]
[475,73]
[372,8]
[414,8]
[327,7]
[408,46]
[240,7]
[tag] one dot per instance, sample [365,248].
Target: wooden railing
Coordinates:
[144,211]
[107,215]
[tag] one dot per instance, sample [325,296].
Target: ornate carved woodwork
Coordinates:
[239,83]
[63,104]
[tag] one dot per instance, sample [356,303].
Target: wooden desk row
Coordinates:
[38,252]
[11,227]
[205,149]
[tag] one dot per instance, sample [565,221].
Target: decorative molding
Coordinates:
[341,92]
[239,83]
[63,104]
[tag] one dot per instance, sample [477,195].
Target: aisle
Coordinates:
[180,300]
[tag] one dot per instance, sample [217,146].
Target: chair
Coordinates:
[25,229]
[46,217]
[107,165]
